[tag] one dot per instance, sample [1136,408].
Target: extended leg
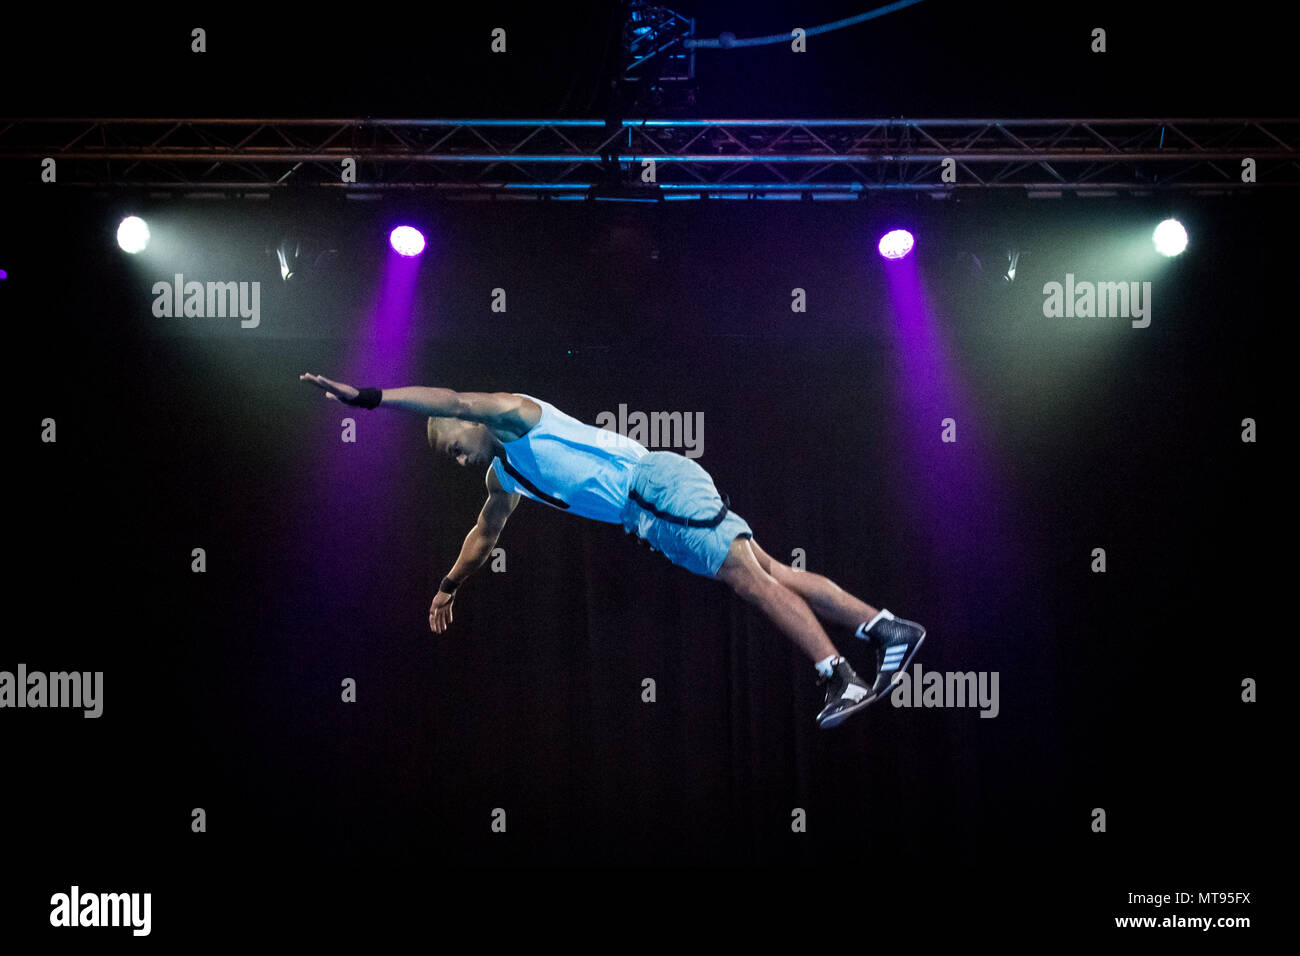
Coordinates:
[896,641]
[846,693]
[825,597]
[786,608]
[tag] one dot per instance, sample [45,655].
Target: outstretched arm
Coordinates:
[487,407]
[478,545]
[491,408]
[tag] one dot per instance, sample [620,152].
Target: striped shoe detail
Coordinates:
[894,656]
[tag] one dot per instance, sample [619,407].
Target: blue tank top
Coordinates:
[578,468]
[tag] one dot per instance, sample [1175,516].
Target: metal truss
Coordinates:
[569,159]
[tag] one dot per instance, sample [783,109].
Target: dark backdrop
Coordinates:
[939,58]
[1118,691]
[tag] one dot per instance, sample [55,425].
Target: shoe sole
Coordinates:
[836,719]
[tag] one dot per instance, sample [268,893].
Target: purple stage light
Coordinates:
[406,241]
[3,274]
[896,244]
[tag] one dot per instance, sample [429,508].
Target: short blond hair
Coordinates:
[436,426]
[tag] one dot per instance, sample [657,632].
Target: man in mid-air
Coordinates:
[534,450]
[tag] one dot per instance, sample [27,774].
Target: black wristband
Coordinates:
[448,586]
[366,398]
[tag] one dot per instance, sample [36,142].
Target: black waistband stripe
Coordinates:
[549,499]
[689,522]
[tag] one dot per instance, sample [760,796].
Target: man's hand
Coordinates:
[335,390]
[440,611]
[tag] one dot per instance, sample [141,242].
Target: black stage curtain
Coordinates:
[222,689]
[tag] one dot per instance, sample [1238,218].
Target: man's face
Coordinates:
[467,445]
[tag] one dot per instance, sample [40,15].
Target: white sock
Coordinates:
[827,667]
[865,626]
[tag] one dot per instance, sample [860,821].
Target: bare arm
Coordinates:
[478,545]
[491,408]
[494,409]
[482,538]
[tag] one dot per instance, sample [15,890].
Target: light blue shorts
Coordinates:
[675,485]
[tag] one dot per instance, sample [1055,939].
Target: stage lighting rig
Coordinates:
[297,258]
[657,67]
[1013,259]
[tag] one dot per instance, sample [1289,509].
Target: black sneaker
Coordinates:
[895,642]
[846,692]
